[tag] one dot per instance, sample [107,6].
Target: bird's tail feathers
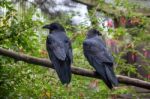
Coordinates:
[64,72]
[111,75]
[104,77]
[107,82]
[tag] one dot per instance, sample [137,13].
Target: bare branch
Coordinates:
[75,70]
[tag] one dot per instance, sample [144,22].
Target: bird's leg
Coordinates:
[115,88]
[68,87]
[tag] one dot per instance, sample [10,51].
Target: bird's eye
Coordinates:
[66,41]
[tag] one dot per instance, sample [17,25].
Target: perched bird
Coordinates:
[60,51]
[98,56]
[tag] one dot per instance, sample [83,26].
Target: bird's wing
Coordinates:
[56,47]
[97,50]
[70,51]
[96,57]
[99,58]
[58,53]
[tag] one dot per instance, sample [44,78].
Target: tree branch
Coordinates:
[75,70]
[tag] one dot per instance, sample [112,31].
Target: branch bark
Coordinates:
[75,70]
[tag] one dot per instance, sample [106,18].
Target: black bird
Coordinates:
[60,51]
[98,56]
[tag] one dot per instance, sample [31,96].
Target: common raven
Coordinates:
[98,56]
[60,51]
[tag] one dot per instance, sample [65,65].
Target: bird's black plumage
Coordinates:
[60,51]
[98,56]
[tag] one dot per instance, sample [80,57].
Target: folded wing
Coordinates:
[101,60]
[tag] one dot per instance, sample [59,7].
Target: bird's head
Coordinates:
[54,27]
[93,33]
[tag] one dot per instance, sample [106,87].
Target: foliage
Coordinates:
[17,33]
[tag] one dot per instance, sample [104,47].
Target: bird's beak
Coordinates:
[99,34]
[46,27]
